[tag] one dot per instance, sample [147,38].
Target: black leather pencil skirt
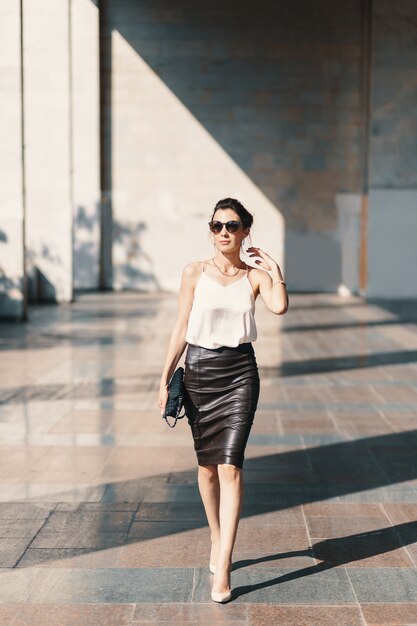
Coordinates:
[222,386]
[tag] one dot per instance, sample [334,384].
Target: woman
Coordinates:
[216,320]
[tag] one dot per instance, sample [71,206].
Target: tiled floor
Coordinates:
[100,517]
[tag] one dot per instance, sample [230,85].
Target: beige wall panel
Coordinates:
[11,178]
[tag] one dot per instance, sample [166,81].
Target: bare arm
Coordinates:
[273,291]
[177,343]
[275,295]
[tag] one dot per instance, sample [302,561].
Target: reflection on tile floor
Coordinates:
[100,515]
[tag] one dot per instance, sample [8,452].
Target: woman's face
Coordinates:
[225,241]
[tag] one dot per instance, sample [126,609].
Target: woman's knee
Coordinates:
[229,472]
[209,472]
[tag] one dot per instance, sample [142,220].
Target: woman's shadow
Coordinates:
[335,552]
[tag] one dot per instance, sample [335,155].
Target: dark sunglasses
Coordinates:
[232,226]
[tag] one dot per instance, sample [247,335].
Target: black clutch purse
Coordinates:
[176,394]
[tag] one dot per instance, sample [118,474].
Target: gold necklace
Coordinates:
[238,270]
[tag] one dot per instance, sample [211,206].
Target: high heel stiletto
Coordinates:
[222,596]
[219,596]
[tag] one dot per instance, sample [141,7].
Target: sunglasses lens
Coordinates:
[215,227]
[232,226]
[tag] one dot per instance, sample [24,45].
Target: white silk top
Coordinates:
[222,315]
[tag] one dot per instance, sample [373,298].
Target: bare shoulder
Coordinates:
[191,272]
[192,268]
[257,278]
[257,275]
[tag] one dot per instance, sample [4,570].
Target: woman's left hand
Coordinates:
[266,261]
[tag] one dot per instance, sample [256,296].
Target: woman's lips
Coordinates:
[225,241]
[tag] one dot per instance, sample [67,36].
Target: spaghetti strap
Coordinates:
[202,266]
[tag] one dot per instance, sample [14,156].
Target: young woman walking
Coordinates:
[216,323]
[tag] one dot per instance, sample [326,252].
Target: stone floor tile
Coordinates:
[303,615]
[8,612]
[287,560]
[117,586]
[124,492]
[363,550]
[257,514]
[330,463]
[71,615]
[272,540]
[25,510]
[346,509]
[80,539]
[88,521]
[175,613]
[20,527]
[70,558]
[170,492]
[97,506]
[340,526]
[170,551]
[400,512]
[271,585]
[12,549]
[15,584]
[142,530]
[401,614]
[387,585]
[170,511]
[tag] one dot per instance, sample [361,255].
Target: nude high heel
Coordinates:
[221,597]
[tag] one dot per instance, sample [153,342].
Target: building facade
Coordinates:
[124,122]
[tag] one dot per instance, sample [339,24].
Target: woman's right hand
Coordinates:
[162,398]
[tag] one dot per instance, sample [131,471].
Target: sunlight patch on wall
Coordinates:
[167,174]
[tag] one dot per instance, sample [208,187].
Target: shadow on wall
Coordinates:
[86,248]
[11,298]
[132,265]
[264,90]
[39,287]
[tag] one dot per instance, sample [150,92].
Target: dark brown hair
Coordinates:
[231,203]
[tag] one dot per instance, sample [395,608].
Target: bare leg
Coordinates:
[208,483]
[231,497]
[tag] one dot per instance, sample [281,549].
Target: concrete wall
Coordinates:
[50,95]
[219,100]
[392,268]
[47,102]
[11,178]
[86,142]
[198,103]
[393,243]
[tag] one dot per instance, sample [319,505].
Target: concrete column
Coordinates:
[47,105]
[392,248]
[86,142]
[11,178]
[348,220]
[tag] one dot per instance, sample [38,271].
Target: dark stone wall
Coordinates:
[394,99]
